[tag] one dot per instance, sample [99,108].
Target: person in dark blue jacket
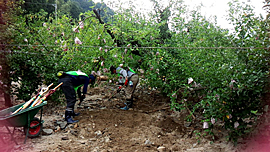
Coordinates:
[72,83]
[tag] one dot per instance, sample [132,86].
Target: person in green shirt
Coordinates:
[72,83]
[130,80]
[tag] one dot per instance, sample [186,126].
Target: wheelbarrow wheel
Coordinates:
[34,132]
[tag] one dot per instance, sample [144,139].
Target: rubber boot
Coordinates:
[128,104]
[75,114]
[125,108]
[68,118]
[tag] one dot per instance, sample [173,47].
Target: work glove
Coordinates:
[119,89]
[126,83]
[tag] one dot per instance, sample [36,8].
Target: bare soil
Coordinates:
[147,127]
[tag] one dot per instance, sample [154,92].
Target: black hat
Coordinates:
[112,68]
[92,77]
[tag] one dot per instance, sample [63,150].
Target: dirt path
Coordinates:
[149,126]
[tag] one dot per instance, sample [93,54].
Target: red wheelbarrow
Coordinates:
[25,118]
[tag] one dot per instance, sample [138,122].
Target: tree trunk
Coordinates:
[5,82]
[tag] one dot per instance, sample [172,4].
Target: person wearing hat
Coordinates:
[72,83]
[130,79]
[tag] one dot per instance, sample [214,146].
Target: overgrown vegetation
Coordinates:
[199,65]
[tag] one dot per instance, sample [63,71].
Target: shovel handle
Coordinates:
[118,90]
[41,91]
[48,94]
